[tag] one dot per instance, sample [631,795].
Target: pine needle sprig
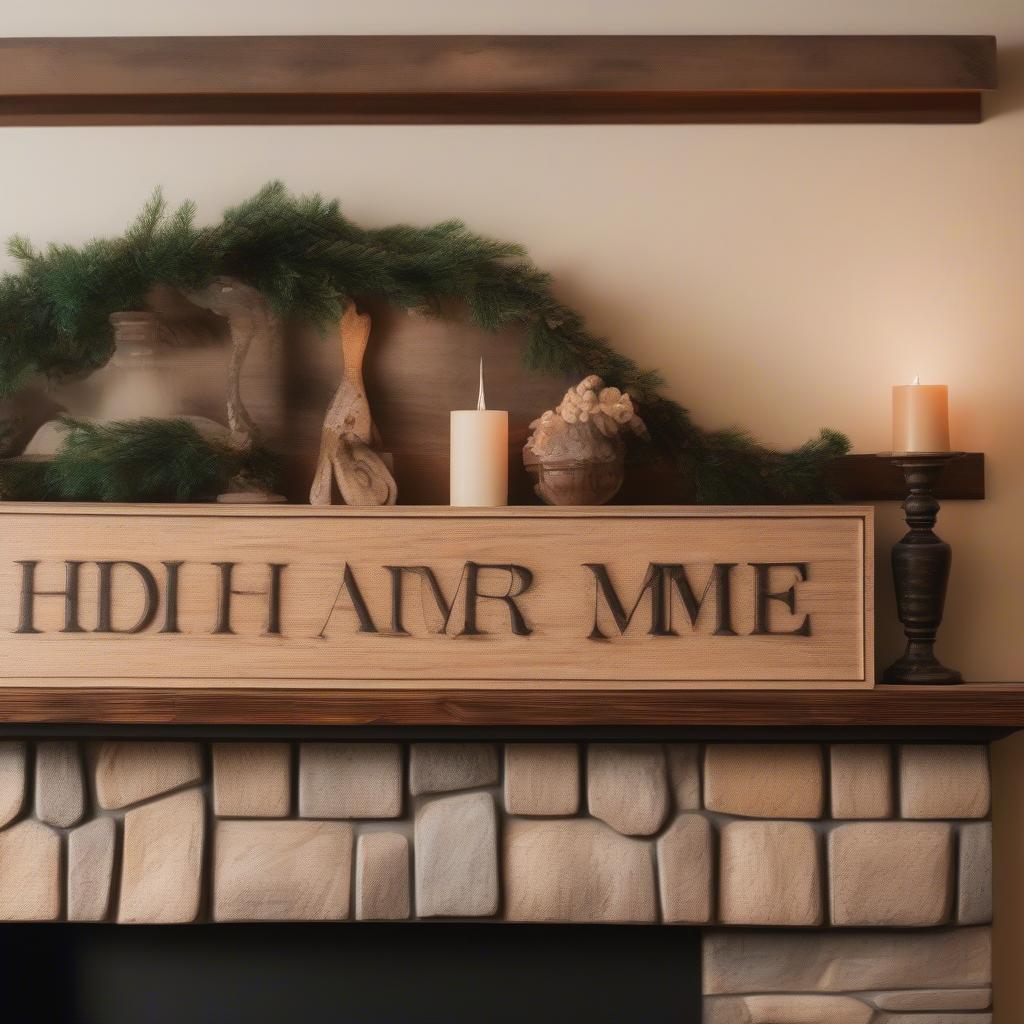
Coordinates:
[132,461]
[310,261]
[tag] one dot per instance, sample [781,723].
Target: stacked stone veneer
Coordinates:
[887,846]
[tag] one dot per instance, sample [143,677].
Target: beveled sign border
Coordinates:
[47,526]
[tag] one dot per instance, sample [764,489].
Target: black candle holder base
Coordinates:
[920,666]
[920,568]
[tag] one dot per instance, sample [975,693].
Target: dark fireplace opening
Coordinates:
[354,973]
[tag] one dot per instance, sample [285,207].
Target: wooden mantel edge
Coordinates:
[494,79]
[993,705]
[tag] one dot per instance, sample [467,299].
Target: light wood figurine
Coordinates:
[348,448]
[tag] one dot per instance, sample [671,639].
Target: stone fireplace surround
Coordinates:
[835,883]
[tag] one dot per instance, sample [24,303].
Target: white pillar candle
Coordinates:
[478,456]
[920,417]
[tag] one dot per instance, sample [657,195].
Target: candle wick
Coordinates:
[481,405]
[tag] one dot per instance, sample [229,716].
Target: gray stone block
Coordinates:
[90,869]
[974,889]
[350,780]
[457,857]
[445,767]
[12,780]
[60,788]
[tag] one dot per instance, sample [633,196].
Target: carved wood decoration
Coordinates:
[404,598]
[348,457]
[250,322]
[494,79]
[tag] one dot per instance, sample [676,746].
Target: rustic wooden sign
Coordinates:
[294,596]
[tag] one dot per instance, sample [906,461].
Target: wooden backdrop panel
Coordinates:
[417,370]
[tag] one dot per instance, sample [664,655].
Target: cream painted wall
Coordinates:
[783,277]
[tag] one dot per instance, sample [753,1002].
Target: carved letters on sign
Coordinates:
[393,598]
[161,589]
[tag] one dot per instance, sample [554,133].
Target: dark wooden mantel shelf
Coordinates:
[980,706]
[494,79]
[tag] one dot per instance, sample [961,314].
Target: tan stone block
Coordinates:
[60,788]
[281,870]
[887,874]
[128,771]
[770,874]
[12,780]
[817,1009]
[457,857]
[382,877]
[91,869]
[684,775]
[839,960]
[627,786]
[542,779]
[576,870]
[724,1010]
[685,870]
[861,780]
[252,780]
[161,866]
[350,780]
[944,781]
[444,767]
[974,888]
[935,999]
[29,873]
[764,780]
[934,1018]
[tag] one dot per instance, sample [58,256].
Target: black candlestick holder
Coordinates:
[920,568]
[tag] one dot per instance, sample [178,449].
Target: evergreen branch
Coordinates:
[310,261]
[134,460]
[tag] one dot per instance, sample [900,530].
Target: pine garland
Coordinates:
[134,460]
[310,261]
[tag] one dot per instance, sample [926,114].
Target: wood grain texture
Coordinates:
[855,478]
[337,620]
[994,705]
[493,79]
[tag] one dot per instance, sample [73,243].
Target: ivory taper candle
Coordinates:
[478,456]
[920,417]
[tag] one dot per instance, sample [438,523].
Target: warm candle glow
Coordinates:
[478,457]
[920,417]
